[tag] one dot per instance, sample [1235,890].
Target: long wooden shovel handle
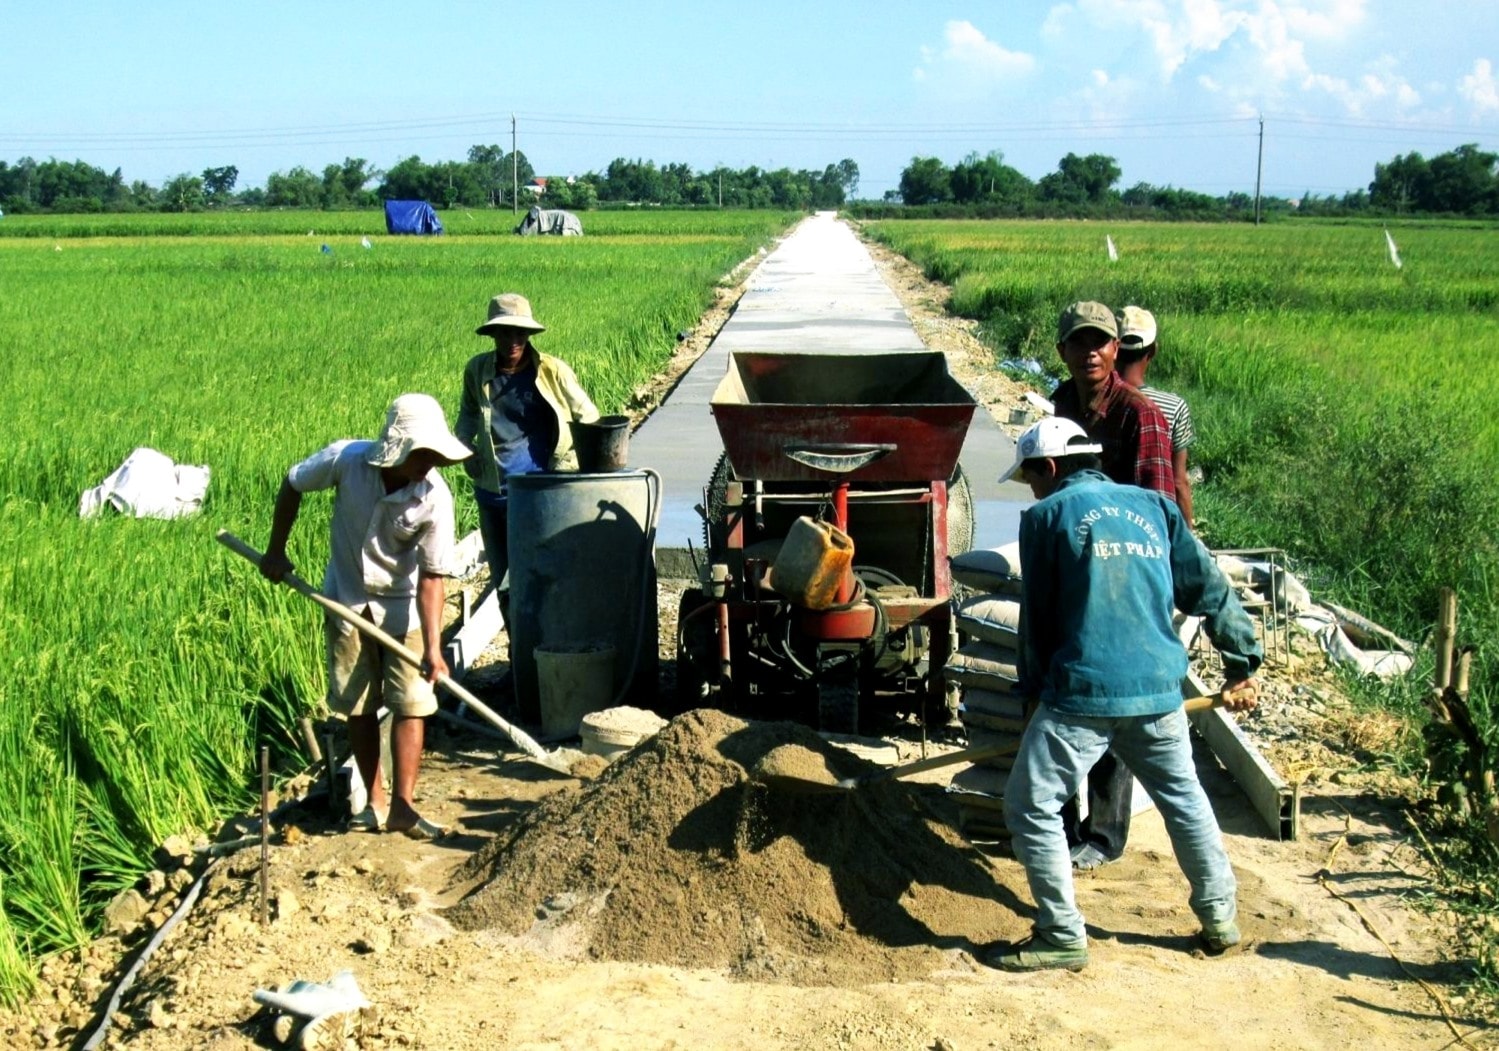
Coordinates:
[997,751]
[522,740]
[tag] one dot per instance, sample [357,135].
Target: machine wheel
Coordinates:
[838,701]
[697,653]
[718,487]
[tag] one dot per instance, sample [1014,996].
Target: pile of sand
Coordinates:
[676,855]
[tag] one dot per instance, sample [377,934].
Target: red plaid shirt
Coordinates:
[1134,433]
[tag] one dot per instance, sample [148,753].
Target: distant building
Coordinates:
[536,186]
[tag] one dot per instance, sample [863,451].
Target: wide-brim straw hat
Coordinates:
[415,421]
[510,310]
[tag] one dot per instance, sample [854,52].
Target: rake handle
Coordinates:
[522,740]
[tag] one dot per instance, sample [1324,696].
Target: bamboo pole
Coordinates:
[1446,633]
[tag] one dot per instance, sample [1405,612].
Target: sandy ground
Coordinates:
[1312,974]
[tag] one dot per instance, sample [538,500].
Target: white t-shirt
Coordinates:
[379,541]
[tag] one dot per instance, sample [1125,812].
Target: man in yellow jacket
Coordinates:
[516,413]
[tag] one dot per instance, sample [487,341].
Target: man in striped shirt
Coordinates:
[1136,442]
[1137,348]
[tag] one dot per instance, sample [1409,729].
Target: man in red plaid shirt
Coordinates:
[1135,435]
[1136,440]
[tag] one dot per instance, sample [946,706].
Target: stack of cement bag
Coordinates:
[992,710]
[1346,637]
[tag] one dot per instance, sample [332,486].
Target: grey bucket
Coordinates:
[603,445]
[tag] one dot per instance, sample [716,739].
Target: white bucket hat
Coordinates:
[415,421]
[510,310]
[1050,439]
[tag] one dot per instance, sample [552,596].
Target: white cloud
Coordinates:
[1325,19]
[1101,78]
[968,55]
[1480,88]
[1380,85]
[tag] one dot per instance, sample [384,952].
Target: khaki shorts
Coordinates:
[362,674]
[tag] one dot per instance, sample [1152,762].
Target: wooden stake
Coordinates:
[328,768]
[265,831]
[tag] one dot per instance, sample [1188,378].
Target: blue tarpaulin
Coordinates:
[411,217]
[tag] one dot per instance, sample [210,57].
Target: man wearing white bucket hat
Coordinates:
[1101,567]
[516,411]
[391,549]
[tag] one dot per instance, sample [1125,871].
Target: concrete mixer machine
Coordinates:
[827,525]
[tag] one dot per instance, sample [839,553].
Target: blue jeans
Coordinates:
[1056,753]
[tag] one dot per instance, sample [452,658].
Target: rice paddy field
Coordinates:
[147,664]
[1345,408]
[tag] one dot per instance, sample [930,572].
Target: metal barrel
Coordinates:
[582,571]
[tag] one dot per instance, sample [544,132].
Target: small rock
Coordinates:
[376,941]
[287,903]
[283,1028]
[291,835]
[46,1035]
[179,881]
[125,913]
[175,853]
[156,882]
[364,866]
[158,1016]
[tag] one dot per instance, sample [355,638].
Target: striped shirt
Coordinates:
[1135,436]
[1177,415]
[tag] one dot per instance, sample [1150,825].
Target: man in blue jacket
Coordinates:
[1102,565]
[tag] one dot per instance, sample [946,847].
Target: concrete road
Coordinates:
[820,292]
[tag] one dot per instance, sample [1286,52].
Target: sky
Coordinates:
[1174,90]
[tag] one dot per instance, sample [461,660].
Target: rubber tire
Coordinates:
[838,703]
[697,654]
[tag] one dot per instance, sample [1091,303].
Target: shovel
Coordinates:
[522,740]
[811,786]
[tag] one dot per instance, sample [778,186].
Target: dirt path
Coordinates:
[856,927]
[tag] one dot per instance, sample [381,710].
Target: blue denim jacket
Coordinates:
[1101,566]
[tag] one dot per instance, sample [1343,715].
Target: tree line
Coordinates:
[1464,181]
[489,176]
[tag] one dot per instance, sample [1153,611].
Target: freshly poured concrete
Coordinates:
[819,291]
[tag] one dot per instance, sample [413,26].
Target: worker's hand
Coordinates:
[274,566]
[1242,695]
[433,666]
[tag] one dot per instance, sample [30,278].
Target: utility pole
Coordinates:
[514,172]
[720,189]
[1259,168]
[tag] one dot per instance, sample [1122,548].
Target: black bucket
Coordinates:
[603,445]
